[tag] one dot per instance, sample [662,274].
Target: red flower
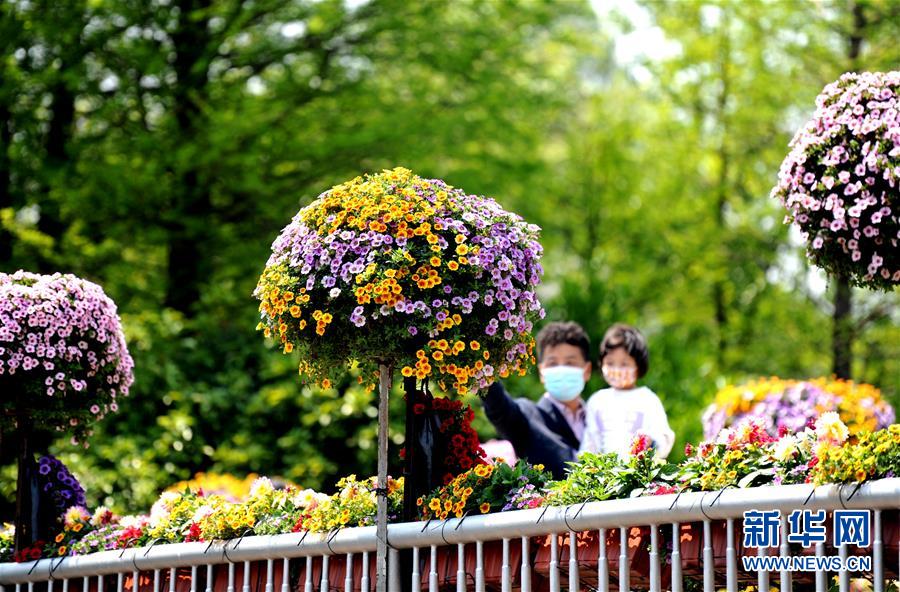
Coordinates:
[129,534]
[298,526]
[193,533]
[640,444]
[418,408]
[403,453]
[688,450]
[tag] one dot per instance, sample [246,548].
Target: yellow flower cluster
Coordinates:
[858,403]
[222,520]
[228,486]
[442,353]
[179,510]
[873,455]
[355,504]
[453,498]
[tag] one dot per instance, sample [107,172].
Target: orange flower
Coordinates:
[485,508]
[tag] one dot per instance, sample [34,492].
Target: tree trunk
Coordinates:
[56,143]
[26,494]
[842,319]
[187,256]
[719,300]
[5,174]
[842,330]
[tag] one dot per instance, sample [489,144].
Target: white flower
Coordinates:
[101,516]
[261,486]
[334,292]
[202,512]
[136,521]
[309,499]
[163,506]
[724,436]
[829,427]
[785,448]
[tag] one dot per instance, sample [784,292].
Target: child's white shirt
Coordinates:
[614,417]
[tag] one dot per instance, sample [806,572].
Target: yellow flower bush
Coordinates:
[228,486]
[487,488]
[355,504]
[873,455]
[223,520]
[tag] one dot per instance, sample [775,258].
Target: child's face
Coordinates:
[619,369]
[564,354]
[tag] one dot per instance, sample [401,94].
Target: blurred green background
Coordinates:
[157,147]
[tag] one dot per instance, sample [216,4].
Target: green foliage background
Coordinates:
[157,148]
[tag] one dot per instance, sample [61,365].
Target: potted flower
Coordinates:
[480,490]
[63,365]
[392,270]
[598,477]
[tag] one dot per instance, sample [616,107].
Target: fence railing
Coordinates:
[652,543]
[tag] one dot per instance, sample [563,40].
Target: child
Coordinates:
[547,431]
[615,415]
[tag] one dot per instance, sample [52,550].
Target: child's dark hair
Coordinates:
[563,332]
[631,340]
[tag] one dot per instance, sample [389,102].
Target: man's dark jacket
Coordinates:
[538,431]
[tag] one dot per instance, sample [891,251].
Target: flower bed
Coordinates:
[743,456]
[791,405]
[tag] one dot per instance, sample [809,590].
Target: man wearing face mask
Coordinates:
[549,431]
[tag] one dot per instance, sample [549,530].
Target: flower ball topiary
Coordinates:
[411,272]
[840,181]
[63,358]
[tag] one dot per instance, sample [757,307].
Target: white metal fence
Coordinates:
[652,543]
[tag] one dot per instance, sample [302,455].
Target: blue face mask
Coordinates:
[563,383]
